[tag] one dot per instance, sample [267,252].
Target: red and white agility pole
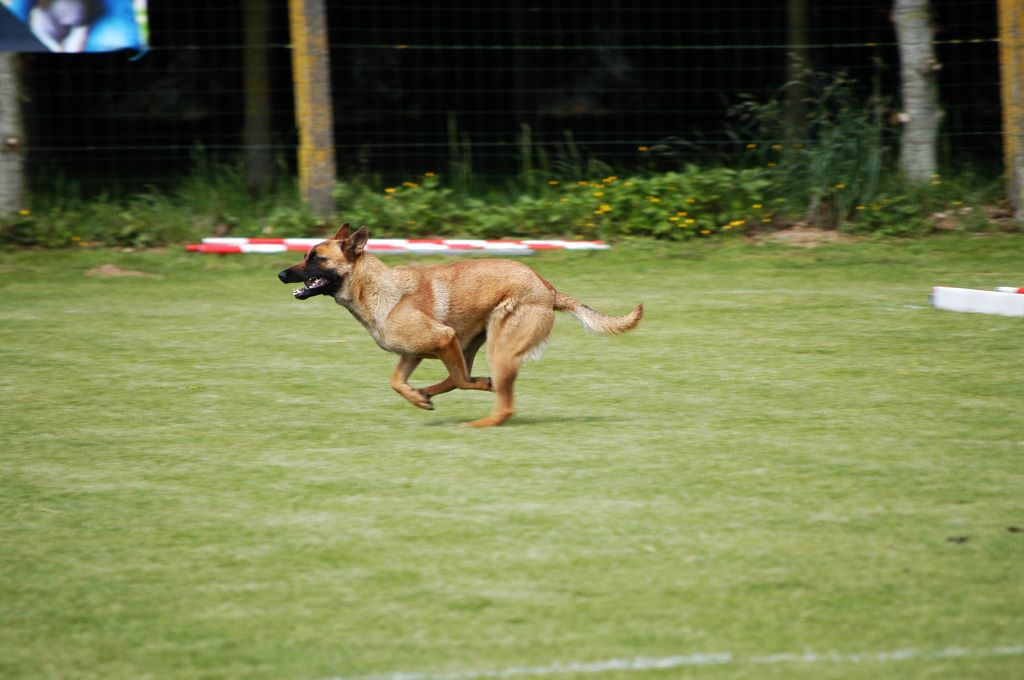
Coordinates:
[419,246]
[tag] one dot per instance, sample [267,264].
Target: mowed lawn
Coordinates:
[793,468]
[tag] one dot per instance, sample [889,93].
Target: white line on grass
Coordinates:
[700,659]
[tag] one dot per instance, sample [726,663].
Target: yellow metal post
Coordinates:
[314,113]
[1011,64]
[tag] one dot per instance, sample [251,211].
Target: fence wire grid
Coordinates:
[416,85]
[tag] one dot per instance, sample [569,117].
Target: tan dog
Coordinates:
[446,312]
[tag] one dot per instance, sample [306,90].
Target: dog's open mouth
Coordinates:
[318,286]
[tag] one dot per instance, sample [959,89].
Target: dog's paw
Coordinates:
[423,401]
[492,420]
[484,384]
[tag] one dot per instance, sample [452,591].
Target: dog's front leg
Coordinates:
[400,382]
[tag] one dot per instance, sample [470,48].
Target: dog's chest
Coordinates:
[372,320]
[393,311]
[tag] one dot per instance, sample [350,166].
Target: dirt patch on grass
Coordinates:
[110,271]
[803,236]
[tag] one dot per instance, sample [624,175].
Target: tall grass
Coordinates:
[842,157]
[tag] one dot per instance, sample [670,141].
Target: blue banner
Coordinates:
[73,26]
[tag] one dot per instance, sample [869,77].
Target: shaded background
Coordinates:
[616,76]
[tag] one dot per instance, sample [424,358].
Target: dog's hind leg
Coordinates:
[469,354]
[503,377]
[451,354]
[400,383]
[511,339]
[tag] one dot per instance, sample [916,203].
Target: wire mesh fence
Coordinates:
[482,88]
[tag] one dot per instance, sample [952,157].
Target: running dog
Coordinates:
[446,312]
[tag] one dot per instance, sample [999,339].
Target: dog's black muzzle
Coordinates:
[290,276]
[314,282]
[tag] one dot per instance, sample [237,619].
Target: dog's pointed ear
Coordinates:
[354,245]
[342,233]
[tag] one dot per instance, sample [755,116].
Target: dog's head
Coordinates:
[327,264]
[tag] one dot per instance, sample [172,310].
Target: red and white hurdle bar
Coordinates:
[418,246]
[1004,300]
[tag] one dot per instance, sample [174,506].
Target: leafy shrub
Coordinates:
[695,202]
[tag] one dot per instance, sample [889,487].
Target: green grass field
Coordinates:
[204,478]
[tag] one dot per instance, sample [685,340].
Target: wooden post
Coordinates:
[1011,66]
[259,152]
[311,73]
[12,137]
[798,72]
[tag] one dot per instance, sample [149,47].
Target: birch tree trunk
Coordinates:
[12,137]
[918,75]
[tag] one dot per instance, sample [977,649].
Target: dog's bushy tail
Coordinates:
[595,321]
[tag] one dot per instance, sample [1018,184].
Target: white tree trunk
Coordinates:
[918,74]
[12,137]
